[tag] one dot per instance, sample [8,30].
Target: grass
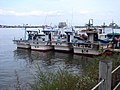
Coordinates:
[62,80]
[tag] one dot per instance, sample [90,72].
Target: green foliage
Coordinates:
[62,80]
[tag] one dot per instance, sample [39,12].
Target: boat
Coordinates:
[63,38]
[91,45]
[42,41]
[22,43]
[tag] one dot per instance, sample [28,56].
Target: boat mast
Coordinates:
[90,24]
[24,26]
[103,26]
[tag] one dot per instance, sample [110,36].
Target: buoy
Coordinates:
[108,53]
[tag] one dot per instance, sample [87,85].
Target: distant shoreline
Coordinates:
[6,26]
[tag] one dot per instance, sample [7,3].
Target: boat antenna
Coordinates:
[45,19]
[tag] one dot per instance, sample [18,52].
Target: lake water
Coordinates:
[24,61]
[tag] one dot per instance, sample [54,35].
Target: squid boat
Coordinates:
[42,41]
[92,45]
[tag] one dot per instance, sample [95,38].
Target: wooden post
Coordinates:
[105,69]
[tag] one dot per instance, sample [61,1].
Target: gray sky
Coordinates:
[75,12]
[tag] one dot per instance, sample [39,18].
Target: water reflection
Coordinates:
[52,61]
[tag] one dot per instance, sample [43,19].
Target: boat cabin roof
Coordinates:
[118,34]
[113,35]
[31,31]
[50,30]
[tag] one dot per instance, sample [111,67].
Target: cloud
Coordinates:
[6,12]
[31,13]
[43,13]
[84,12]
[81,12]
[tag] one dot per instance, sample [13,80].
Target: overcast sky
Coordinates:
[75,12]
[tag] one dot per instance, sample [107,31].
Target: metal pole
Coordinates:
[25,32]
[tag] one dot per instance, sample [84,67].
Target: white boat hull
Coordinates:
[22,44]
[86,51]
[62,46]
[41,46]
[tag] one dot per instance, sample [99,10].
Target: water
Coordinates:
[24,61]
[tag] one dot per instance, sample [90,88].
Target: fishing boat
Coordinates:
[62,40]
[42,41]
[91,45]
[22,43]
[87,47]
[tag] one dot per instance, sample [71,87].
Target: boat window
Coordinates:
[43,39]
[105,36]
[86,50]
[47,33]
[39,37]
[89,46]
[82,51]
[100,31]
